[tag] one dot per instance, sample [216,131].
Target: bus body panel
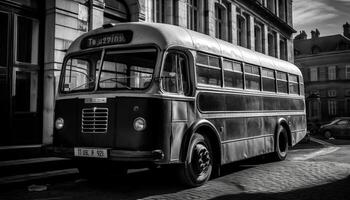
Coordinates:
[120,135]
[248,122]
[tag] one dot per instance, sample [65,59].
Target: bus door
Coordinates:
[176,81]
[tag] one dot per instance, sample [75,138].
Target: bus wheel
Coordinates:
[281,150]
[199,162]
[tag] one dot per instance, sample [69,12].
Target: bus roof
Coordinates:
[165,36]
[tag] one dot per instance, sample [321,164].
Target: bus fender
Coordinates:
[283,122]
[211,132]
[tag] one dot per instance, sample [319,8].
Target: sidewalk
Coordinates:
[30,164]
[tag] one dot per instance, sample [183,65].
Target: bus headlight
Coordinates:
[140,124]
[59,123]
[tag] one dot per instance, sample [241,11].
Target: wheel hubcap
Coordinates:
[201,159]
[282,143]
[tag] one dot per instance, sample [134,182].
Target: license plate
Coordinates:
[90,152]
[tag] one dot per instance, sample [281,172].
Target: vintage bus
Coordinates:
[154,94]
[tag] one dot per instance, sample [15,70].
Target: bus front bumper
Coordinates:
[114,155]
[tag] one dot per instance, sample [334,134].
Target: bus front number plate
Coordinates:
[90,152]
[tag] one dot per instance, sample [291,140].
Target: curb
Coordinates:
[326,149]
[42,177]
[324,143]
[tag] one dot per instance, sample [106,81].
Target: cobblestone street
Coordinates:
[323,175]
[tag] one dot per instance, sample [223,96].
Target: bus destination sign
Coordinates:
[121,37]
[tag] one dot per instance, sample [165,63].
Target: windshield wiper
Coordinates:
[90,81]
[115,80]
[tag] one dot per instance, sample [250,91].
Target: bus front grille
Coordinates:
[94,120]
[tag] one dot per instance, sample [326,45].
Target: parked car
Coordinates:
[338,128]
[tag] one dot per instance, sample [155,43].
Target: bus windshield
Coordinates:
[121,70]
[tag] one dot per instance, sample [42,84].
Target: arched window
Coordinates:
[283,48]
[192,15]
[271,5]
[220,22]
[258,36]
[241,31]
[272,43]
[115,11]
[282,9]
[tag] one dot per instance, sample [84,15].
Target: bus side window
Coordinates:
[175,74]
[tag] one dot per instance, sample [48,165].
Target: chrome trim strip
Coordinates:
[224,114]
[247,138]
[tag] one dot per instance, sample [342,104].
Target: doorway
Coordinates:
[20,75]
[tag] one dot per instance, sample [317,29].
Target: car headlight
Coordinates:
[140,124]
[59,123]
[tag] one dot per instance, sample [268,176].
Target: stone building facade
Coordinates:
[48,27]
[325,64]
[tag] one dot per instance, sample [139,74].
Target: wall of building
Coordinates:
[326,87]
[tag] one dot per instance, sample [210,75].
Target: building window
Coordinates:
[192,15]
[159,11]
[272,44]
[347,71]
[241,31]
[220,22]
[247,25]
[271,5]
[332,107]
[228,18]
[332,93]
[314,74]
[282,9]
[4,21]
[115,11]
[259,35]
[283,48]
[27,44]
[332,75]
[25,90]
[313,108]
[176,12]
[322,71]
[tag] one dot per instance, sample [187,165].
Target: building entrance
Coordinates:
[20,67]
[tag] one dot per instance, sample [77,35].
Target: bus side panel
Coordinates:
[243,149]
[246,137]
[182,116]
[297,126]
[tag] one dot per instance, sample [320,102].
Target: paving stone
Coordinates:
[281,177]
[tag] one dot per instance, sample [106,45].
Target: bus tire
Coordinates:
[198,165]
[281,146]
